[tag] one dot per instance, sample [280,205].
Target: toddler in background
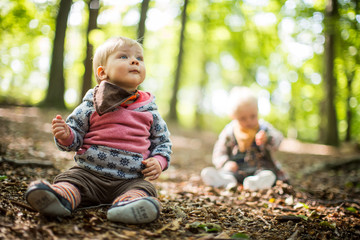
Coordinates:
[242,153]
[119,138]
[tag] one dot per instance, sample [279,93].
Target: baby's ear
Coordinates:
[101,73]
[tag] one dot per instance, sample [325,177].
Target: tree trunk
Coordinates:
[329,118]
[350,77]
[87,78]
[141,28]
[173,112]
[199,113]
[348,109]
[56,88]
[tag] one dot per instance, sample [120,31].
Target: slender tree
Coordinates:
[93,6]
[350,63]
[349,114]
[173,112]
[141,28]
[56,88]
[329,120]
[199,121]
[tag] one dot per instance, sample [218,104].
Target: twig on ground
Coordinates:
[30,163]
[22,205]
[266,222]
[294,236]
[285,218]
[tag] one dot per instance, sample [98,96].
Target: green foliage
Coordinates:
[274,47]
[303,217]
[3,177]
[240,235]
[301,205]
[328,224]
[208,227]
[352,209]
[24,47]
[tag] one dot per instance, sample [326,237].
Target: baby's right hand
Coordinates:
[60,129]
[261,138]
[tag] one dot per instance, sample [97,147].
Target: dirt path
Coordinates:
[323,201]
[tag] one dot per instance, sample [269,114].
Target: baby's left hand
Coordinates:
[152,168]
[260,138]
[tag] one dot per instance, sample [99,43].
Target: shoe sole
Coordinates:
[46,203]
[138,211]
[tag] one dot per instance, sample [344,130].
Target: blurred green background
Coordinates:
[300,56]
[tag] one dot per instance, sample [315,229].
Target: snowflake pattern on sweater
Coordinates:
[96,145]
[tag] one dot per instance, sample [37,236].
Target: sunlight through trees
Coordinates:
[301,57]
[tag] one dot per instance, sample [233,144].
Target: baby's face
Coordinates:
[125,67]
[247,116]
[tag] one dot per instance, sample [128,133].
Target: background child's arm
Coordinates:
[220,152]
[274,137]
[261,138]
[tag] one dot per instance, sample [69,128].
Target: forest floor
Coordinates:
[322,202]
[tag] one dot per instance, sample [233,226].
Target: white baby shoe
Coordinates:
[216,178]
[263,180]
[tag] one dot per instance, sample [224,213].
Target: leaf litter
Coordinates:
[319,204]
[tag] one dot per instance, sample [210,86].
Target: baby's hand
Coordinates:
[60,129]
[261,138]
[152,168]
[231,166]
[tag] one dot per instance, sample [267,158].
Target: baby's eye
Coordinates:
[123,57]
[139,58]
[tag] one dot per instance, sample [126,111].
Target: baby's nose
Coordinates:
[134,61]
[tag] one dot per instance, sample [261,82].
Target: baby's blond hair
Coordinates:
[107,48]
[239,97]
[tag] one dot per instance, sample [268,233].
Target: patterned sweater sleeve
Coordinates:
[78,121]
[220,151]
[160,138]
[274,136]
